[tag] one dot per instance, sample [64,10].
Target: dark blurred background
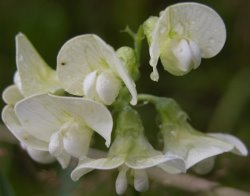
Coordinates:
[216,96]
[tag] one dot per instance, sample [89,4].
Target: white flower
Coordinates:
[194,146]
[130,151]
[61,125]
[181,139]
[182,35]
[33,75]
[36,148]
[86,65]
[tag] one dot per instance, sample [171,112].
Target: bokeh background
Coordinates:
[216,96]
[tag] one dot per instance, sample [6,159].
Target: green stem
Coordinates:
[137,43]
[147,97]
[137,37]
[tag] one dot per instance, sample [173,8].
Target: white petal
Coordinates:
[42,115]
[154,51]
[141,180]
[89,84]
[86,165]
[196,54]
[56,144]
[11,95]
[35,75]
[239,147]
[205,148]
[184,55]
[121,182]
[63,159]
[193,146]
[197,22]
[95,115]
[205,166]
[40,156]
[180,56]
[76,141]
[142,155]
[146,161]
[84,54]
[11,121]
[107,87]
[173,164]
[192,21]
[17,81]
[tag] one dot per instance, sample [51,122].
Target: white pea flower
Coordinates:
[132,152]
[182,35]
[181,139]
[63,126]
[87,66]
[195,146]
[33,75]
[36,148]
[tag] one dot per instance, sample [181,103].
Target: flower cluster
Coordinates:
[54,113]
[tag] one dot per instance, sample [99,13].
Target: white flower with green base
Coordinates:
[34,76]
[130,151]
[34,147]
[182,140]
[54,125]
[87,66]
[66,124]
[182,35]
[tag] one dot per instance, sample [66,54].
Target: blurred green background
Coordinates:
[216,96]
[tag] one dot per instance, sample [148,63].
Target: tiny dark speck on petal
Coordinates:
[63,63]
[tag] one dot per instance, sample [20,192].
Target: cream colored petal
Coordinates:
[121,182]
[63,159]
[13,124]
[76,140]
[190,21]
[84,54]
[142,155]
[193,146]
[17,81]
[196,54]
[89,85]
[107,87]
[35,75]
[56,144]
[141,183]
[40,156]
[239,146]
[11,95]
[179,57]
[197,22]
[173,164]
[95,115]
[205,166]
[86,165]
[43,115]
[146,161]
